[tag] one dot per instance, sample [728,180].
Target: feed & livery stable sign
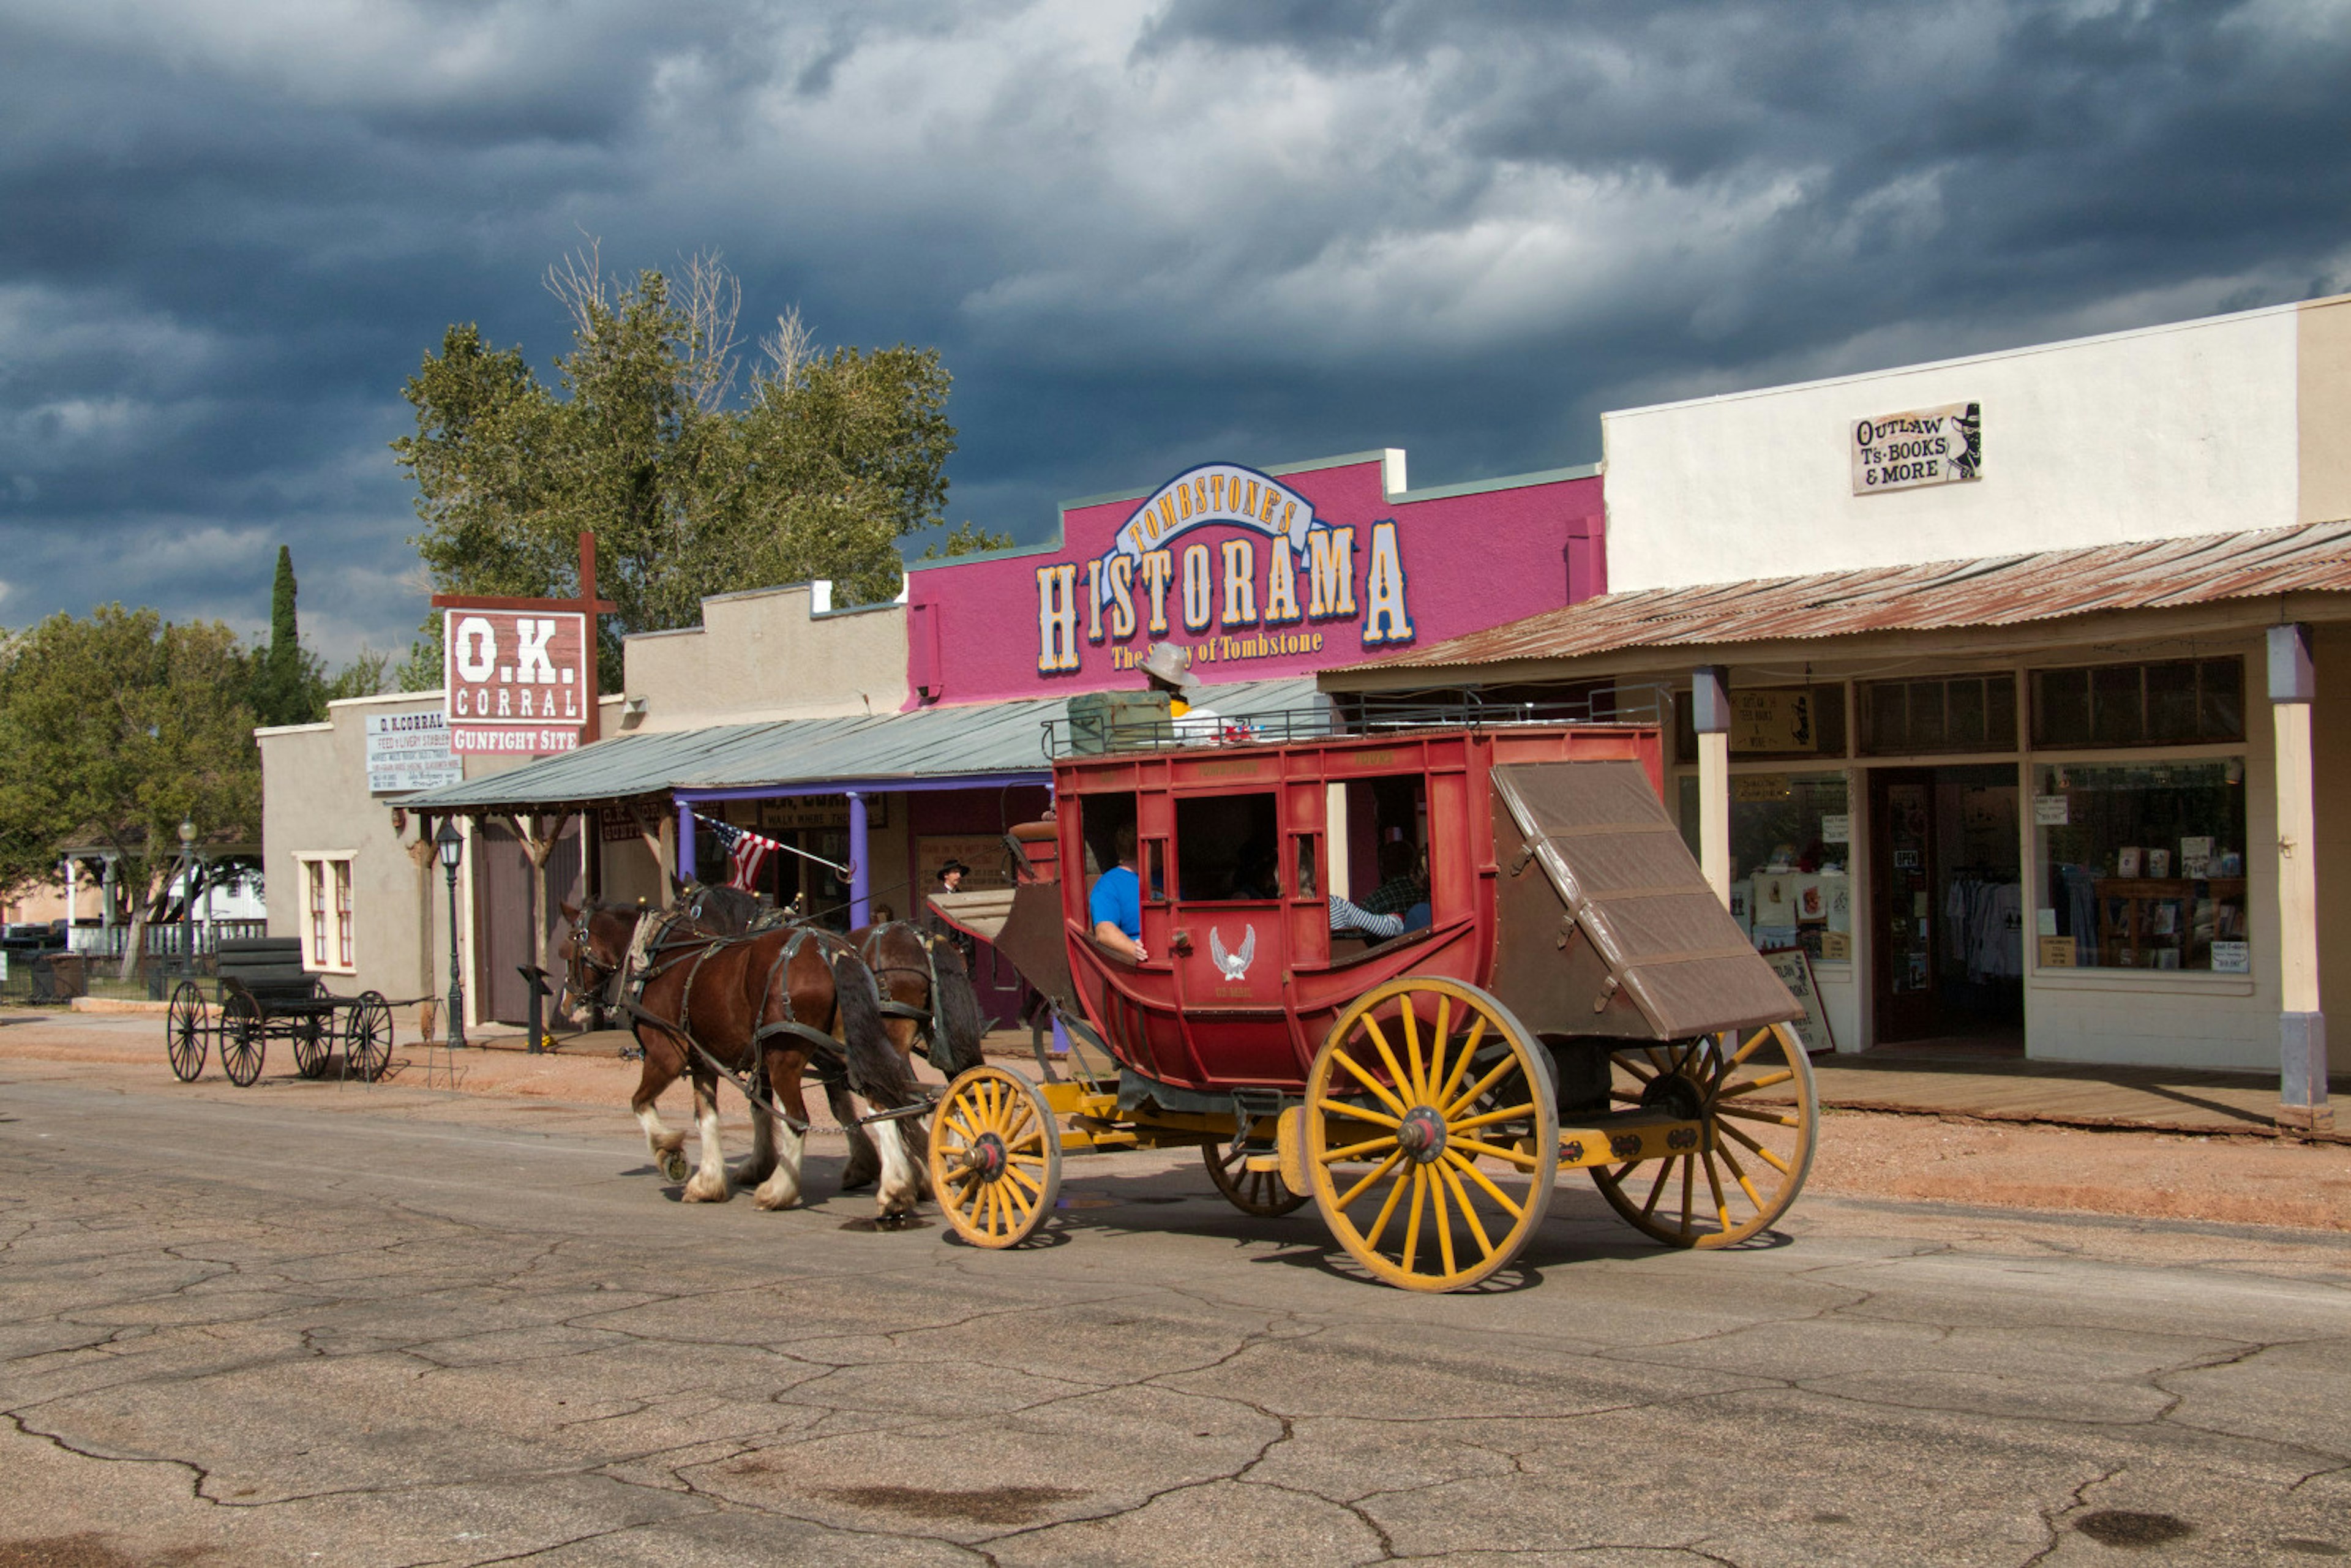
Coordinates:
[517,680]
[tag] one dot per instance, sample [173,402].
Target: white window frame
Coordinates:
[327,946]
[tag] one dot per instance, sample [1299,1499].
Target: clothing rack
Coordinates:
[1983,923]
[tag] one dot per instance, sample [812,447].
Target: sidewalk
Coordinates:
[1955,1083]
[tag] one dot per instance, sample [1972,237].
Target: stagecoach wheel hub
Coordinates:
[1675,1095]
[986,1156]
[995,1157]
[1422,1134]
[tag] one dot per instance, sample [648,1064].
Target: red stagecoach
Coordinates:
[1571,993]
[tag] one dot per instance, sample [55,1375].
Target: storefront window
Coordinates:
[2139,704]
[1945,713]
[2143,866]
[1790,851]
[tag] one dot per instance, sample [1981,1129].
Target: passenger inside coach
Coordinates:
[1115,905]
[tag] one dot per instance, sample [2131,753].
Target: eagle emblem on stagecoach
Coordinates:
[1233,966]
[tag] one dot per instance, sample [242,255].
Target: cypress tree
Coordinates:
[280,692]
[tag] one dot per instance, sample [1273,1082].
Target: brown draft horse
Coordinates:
[927,999]
[765,1006]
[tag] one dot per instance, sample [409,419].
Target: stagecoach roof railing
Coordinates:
[1353,714]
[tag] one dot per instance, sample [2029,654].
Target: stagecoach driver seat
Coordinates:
[1165,669]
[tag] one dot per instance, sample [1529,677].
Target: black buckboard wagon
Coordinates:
[264,993]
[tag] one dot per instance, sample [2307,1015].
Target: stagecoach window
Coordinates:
[1303,848]
[1155,870]
[1101,817]
[1226,848]
[1387,846]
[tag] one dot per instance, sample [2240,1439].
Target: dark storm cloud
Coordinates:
[1141,234]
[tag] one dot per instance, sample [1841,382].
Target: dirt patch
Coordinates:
[2171,1175]
[987,1505]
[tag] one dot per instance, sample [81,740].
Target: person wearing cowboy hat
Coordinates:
[950,879]
[1165,667]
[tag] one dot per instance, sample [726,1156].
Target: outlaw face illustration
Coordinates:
[1233,966]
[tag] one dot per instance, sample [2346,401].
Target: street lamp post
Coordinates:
[450,845]
[187,895]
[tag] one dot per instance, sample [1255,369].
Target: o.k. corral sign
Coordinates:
[1924,446]
[517,681]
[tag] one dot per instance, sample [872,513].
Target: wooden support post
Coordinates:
[2302,1026]
[1710,714]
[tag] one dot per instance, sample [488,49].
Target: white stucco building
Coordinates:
[1999,750]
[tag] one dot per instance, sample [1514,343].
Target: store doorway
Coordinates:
[1946,905]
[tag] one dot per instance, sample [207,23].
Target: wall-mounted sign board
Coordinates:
[1920,447]
[409,751]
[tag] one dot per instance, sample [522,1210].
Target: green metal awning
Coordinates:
[926,747]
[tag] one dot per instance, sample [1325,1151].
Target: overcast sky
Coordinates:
[1142,234]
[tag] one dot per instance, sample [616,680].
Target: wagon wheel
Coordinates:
[310,1053]
[1260,1193]
[1439,1089]
[183,1031]
[1754,1098]
[996,1157]
[367,1037]
[242,1044]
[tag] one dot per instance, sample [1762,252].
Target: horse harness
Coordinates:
[665,954]
[930,1020]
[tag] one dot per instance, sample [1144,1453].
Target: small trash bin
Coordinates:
[60,976]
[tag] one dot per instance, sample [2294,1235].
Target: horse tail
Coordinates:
[876,1070]
[958,1006]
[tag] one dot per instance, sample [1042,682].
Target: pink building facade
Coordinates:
[1257,574]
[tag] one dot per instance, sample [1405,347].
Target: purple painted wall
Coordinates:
[1044,620]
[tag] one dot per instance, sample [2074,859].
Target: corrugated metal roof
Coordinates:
[1998,591]
[881,748]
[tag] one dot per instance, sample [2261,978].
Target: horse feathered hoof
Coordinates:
[696,1191]
[673,1164]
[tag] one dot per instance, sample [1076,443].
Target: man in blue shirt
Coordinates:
[1115,905]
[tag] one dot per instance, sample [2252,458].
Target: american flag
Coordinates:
[747,852]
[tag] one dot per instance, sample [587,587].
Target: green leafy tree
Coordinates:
[112,730]
[969,539]
[819,468]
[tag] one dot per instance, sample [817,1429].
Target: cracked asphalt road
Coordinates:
[308,1325]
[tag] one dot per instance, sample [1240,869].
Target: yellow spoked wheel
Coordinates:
[1432,1132]
[1260,1193]
[1753,1089]
[996,1157]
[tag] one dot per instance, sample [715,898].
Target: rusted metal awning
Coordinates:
[2000,591]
